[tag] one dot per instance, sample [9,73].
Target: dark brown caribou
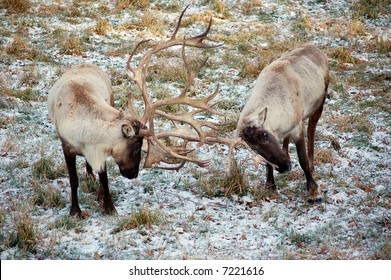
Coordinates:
[287,92]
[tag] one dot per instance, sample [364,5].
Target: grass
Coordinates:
[219,7]
[371,9]
[131,4]
[219,184]
[150,20]
[262,193]
[264,55]
[46,169]
[379,44]
[24,234]
[251,7]
[27,94]
[323,156]
[343,55]
[236,182]
[66,223]
[19,48]
[89,185]
[102,27]
[72,45]
[356,124]
[137,218]
[16,6]
[302,24]
[47,196]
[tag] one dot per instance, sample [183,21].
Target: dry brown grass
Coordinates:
[250,7]
[102,27]
[24,234]
[19,48]
[47,196]
[343,55]
[370,8]
[379,44]
[132,4]
[139,217]
[149,21]
[16,6]
[323,156]
[220,7]
[72,45]
[236,182]
[358,123]
[203,16]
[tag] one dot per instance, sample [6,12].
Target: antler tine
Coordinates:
[204,35]
[190,74]
[179,23]
[186,126]
[132,54]
[176,168]
[198,41]
[172,153]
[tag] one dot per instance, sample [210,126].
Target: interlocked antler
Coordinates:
[186,127]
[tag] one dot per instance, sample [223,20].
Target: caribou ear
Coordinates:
[262,116]
[127,130]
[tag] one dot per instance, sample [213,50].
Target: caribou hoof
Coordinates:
[78,213]
[110,210]
[314,200]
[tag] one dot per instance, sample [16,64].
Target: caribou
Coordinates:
[80,105]
[287,92]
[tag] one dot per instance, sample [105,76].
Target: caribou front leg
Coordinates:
[312,186]
[104,193]
[270,184]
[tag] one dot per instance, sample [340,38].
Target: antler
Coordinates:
[186,126]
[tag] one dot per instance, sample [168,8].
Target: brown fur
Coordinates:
[80,106]
[287,92]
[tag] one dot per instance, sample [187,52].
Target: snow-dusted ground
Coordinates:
[353,223]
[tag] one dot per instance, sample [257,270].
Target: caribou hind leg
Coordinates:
[70,160]
[312,122]
[90,173]
[312,186]
[285,147]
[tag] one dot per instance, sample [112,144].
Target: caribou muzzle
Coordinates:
[266,145]
[129,173]
[284,167]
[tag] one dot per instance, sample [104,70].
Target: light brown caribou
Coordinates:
[80,105]
[287,92]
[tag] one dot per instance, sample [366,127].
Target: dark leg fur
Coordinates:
[70,160]
[285,146]
[270,184]
[313,120]
[312,186]
[104,194]
[90,173]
